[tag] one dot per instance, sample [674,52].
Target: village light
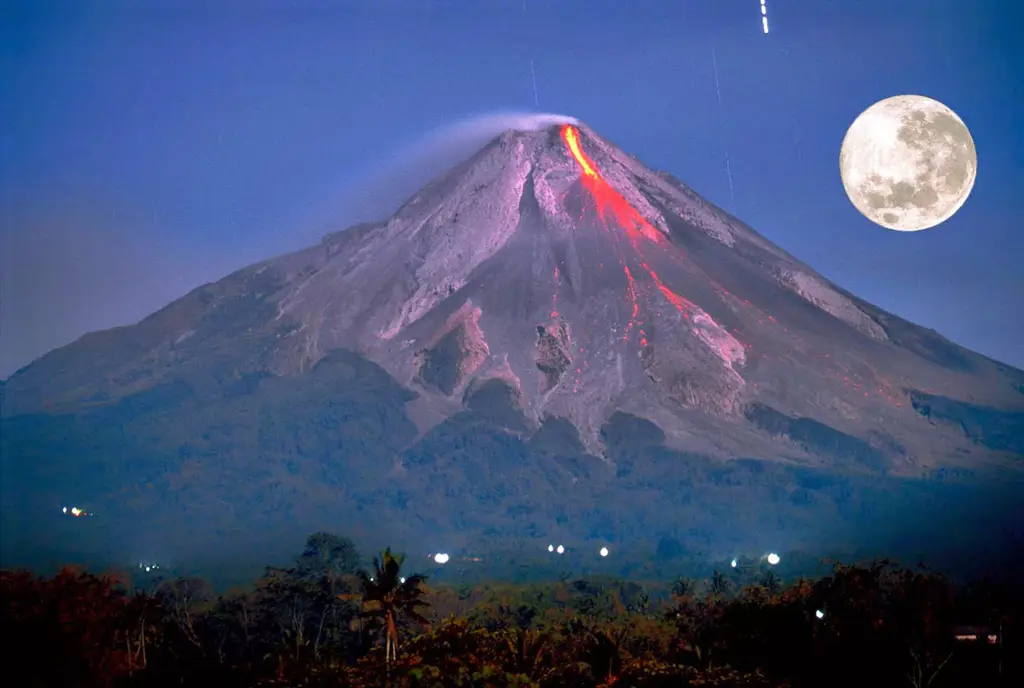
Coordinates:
[773,558]
[551,548]
[402,579]
[820,614]
[733,563]
[560,550]
[441,558]
[603,552]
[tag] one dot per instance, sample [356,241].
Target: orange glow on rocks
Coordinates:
[677,301]
[611,205]
[607,198]
[572,139]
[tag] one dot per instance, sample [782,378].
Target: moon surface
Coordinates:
[908,163]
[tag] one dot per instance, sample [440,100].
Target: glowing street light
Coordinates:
[733,563]
[551,548]
[441,558]
[603,552]
[402,579]
[820,614]
[560,549]
[773,558]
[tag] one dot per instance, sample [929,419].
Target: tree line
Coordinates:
[326,620]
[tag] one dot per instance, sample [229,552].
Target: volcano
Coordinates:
[547,330]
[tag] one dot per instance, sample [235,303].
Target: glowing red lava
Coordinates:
[607,198]
[680,304]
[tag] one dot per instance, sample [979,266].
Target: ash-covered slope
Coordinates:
[557,263]
[549,339]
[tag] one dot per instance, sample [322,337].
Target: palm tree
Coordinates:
[525,651]
[387,595]
[719,585]
[604,653]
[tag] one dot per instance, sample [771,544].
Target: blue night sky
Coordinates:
[146,151]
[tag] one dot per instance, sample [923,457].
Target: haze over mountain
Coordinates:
[549,340]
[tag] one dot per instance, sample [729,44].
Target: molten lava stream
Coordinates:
[605,197]
[609,202]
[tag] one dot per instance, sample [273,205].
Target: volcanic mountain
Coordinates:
[548,317]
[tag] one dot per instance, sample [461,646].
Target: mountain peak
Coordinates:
[546,329]
[557,263]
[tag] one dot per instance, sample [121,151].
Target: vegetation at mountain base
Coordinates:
[327,621]
[276,457]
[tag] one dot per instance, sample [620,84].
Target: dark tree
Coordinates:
[327,555]
[387,596]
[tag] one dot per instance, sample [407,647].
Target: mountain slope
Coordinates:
[550,291]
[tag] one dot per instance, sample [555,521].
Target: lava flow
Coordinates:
[607,199]
[605,196]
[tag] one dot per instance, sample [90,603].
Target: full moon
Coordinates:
[908,163]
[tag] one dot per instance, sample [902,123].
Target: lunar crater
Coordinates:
[908,163]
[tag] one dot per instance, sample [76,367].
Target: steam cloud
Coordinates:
[383,188]
[74,264]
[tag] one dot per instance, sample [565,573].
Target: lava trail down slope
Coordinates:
[550,303]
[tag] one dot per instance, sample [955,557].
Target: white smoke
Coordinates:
[491,124]
[386,185]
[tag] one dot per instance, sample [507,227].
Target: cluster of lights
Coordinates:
[75,511]
[444,558]
[772,558]
[604,551]
[149,566]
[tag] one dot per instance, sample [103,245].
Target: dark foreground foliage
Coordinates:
[326,622]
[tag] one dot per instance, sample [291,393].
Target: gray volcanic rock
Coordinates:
[556,267]
[619,291]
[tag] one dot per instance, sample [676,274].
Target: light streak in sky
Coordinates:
[728,173]
[533,75]
[718,94]
[764,16]
[718,86]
